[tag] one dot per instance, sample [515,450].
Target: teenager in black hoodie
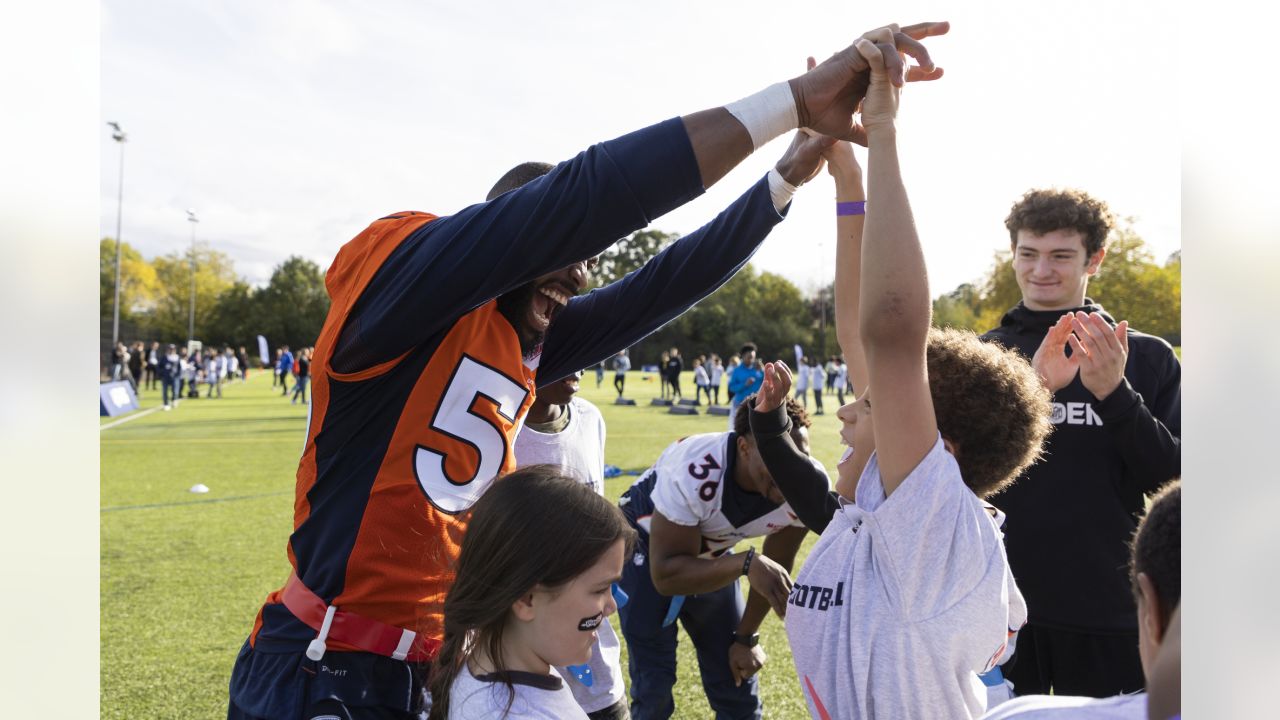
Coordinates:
[1117,417]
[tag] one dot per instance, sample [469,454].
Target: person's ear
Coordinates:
[1095,262]
[523,609]
[1149,613]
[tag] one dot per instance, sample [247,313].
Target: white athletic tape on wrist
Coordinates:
[766,114]
[780,190]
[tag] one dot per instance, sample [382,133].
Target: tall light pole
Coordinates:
[191,328]
[119,136]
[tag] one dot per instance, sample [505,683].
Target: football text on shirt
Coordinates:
[817,597]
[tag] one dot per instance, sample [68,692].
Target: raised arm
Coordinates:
[586,204]
[850,208]
[624,312]
[807,490]
[894,293]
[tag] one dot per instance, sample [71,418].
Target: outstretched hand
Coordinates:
[827,96]
[880,106]
[841,162]
[775,388]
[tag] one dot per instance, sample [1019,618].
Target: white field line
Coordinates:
[124,420]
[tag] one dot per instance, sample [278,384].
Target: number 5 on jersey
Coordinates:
[472,383]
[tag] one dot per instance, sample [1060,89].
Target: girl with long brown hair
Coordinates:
[534,580]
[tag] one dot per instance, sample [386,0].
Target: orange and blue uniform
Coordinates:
[420,387]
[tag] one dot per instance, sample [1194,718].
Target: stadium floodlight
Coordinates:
[119,136]
[191,326]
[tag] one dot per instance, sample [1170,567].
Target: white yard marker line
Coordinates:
[124,420]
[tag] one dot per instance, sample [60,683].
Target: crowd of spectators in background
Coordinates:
[179,374]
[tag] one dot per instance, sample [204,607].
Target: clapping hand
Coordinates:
[1103,352]
[1098,352]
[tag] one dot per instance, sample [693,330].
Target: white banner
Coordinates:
[263,351]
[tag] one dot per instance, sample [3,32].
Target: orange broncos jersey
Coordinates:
[443,419]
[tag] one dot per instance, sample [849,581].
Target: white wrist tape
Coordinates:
[766,114]
[780,190]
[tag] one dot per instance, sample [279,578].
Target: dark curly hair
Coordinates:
[990,404]
[1043,211]
[742,416]
[1157,547]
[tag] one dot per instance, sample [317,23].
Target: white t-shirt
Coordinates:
[1064,707]
[904,600]
[717,372]
[700,376]
[580,447]
[817,377]
[537,697]
[802,378]
[693,486]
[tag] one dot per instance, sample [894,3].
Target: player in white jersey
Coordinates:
[907,595]
[704,495]
[565,430]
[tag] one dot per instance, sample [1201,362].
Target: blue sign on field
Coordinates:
[116,398]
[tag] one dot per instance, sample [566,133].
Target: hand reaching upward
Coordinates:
[775,388]
[828,95]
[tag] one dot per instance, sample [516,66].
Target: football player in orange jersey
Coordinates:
[439,331]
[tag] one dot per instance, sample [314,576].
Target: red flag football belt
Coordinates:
[351,629]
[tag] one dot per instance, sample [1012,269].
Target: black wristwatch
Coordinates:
[749,640]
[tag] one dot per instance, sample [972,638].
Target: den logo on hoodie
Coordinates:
[1074,413]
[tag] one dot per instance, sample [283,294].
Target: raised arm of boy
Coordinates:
[894,301]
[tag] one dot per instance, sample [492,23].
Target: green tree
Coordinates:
[137,282]
[628,254]
[958,308]
[234,317]
[1000,292]
[764,308]
[215,273]
[1130,285]
[822,336]
[292,307]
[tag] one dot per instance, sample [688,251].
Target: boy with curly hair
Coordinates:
[910,572]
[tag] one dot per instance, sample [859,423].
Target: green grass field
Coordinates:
[183,575]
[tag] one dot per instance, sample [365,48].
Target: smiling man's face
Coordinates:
[1053,269]
[532,307]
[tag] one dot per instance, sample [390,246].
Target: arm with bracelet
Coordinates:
[677,569]
[746,657]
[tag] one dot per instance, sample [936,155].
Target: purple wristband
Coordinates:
[854,207]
